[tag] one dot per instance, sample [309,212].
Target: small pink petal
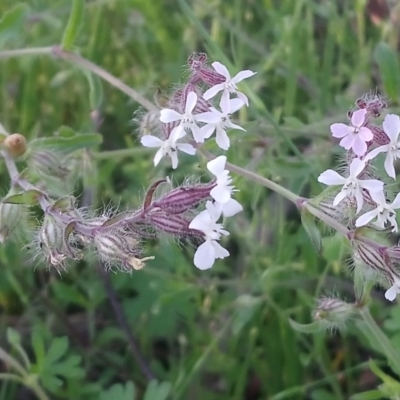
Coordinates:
[347,141]
[359,146]
[365,134]
[339,130]
[358,117]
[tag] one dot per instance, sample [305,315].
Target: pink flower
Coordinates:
[356,136]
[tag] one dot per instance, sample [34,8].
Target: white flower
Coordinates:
[188,119]
[168,147]
[394,290]
[352,187]
[223,190]
[210,250]
[355,136]
[383,212]
[229,86]
[230,208]
[223,123]
[391,126]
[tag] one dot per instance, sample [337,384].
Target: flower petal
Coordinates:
[231,208]
[221,194]
[391,293]
[365,134]
[222,139]
[243,97]
[168,115]
[339,197]
[389,167]
[220,252]
[213,91]
[209,117]
[243,75]
[359,146]
[339,130]
[221,69]
[191,101]
[331,177]
[204,257]
[391,126]
[186,148]
[151,141]
[356,167]
[372,185]
[174,159]
[159,155]
[217,165]
[201,221]
[347,141]
[207,130]
[372,154]
[366,218]
[358,117]
[396,202]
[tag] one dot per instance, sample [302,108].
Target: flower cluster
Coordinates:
[363,199]
[191,111]
[191,114]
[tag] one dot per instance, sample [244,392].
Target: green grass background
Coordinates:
[224,333]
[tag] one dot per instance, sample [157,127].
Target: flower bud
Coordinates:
[56,242]
[333,313]
[184,198]
[10,218]
[121,248]
[15,144]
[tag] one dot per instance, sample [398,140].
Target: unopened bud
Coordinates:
[54,241]
[10,217]
[333,313]
[120,249]
[184,198]
[15,144]
[169,223]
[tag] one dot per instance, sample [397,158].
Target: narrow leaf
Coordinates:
[314,327]
[308,221]
[30,197]
[68,144]
[74,24]
[12,22]
[388,64]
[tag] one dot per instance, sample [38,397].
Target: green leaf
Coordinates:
[308,221]
[64,204]
[11,25]
[95,90]
[388,64]
[314,327]
[30,198]
[68,144]
[74,24]
[370,395]
[13,337]
[120,392]
[57,349]
[156,391]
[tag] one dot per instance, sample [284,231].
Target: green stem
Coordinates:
[381,339]
[34,51]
